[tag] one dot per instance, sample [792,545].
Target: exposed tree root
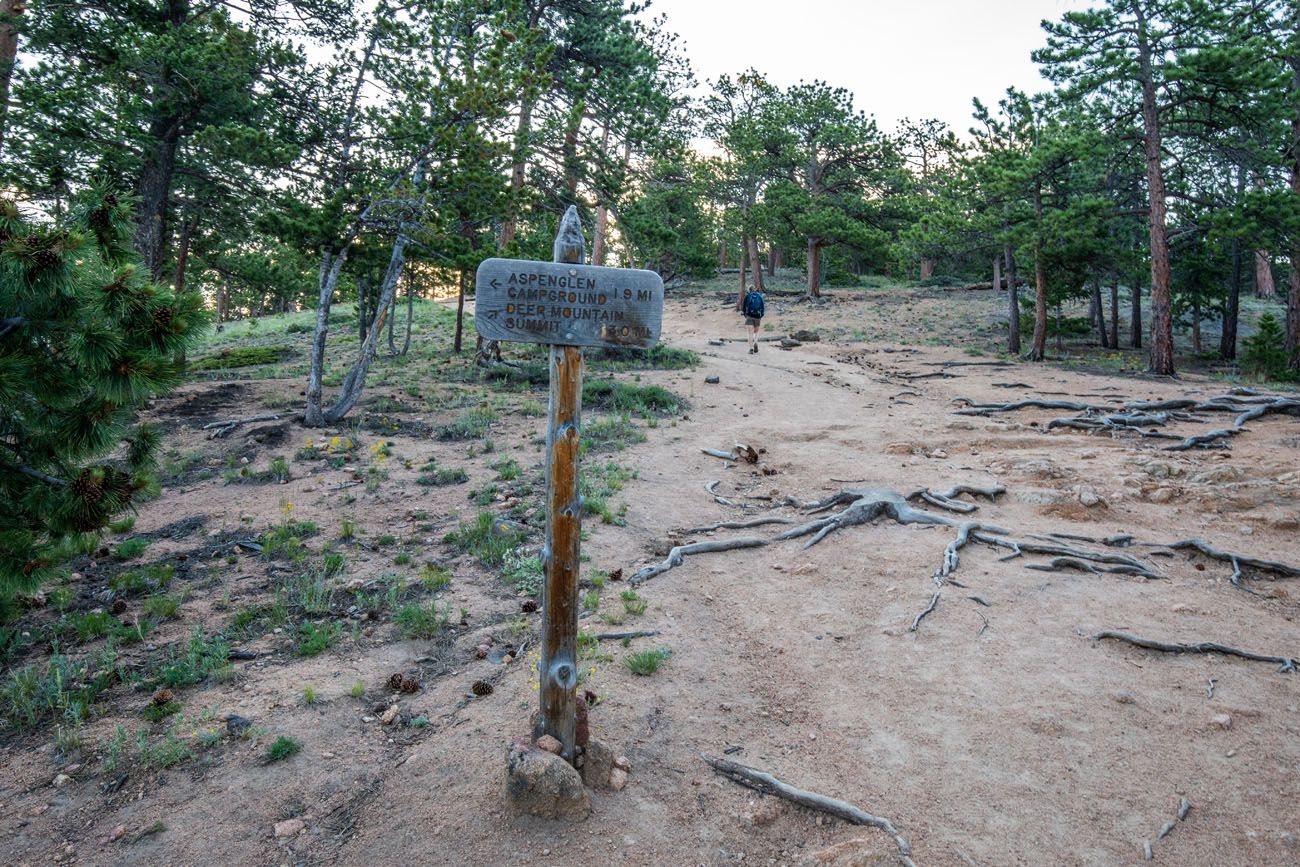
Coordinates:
[764,782]
[1237,560]
[741,525]
[916,621]
[625,636]
[1287,663]
[675,556]
[1056,564]
[1134,415]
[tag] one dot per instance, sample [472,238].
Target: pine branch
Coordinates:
[35,474]
[10,324]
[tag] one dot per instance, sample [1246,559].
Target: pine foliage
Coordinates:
[85,339]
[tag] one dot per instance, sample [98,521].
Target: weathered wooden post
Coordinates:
[567,305]
[558,677]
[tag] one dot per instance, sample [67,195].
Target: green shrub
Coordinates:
[313,639]
[487,538]
[420,621]
[242,356]
[282,748]
[646,662]
[1263,354]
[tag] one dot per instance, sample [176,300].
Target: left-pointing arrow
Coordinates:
[494,284]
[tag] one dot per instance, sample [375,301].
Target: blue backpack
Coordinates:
[753,305]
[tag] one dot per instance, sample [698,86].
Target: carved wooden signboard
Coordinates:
[566,304]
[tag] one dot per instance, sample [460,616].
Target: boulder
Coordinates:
[541,784]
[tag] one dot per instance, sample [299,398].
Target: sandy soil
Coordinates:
[992,735]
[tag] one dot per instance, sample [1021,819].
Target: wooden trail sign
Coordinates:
[568,305]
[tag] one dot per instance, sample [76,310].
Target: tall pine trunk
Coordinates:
[154,191]
[1013,304]
[1293,296]
[773,260]
[1264,285]
[460,311]
[744,267]
[10,13]
[1114,313]
[1038,349]
[997,272]
[814,268]
[1231,307]
[1196,323]
[1099,315]
[1135,317]
[1162,309]
[183,252]
[756,265]
[331,266]
[523,136]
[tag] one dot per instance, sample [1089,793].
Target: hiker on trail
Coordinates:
[753,310]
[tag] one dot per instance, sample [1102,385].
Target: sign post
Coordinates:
[567,305]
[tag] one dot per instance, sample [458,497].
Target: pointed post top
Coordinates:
[569,244]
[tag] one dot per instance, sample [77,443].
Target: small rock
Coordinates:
[236,725]
[713,380]
[542,784]
[938,453]
[806,336]
[617,779]
[623,764]
[898,448]
[289,827]
[1123,696]
[1090,498]
[1162,495]
[61,780]
[598,763]
[1221,721]
[390,715]
[550,743]
[118,833]
[367,719]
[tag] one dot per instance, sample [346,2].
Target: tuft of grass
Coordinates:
[309,695]
[632,603]
[131,548]
[200,657]
[435,577]
[241,356]
[627,397]
[419,621]
[314,640]
[282,748]
[610,432]
[158,712]
[162,606]
[122,525]
[146,579]
[523,571]
[487,538]
[358,689]
[472,424]
[644,663]
[443,476]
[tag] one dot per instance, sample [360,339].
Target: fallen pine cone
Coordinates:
[616,575]
[529,606]
[162,696]
[409,684]
[481,688]
[395,681]
[119,606]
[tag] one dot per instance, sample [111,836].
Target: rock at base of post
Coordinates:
[543,784]
[602,768]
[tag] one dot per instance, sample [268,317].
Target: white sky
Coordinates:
[906,58]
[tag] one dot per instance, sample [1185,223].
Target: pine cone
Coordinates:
[409,684]
[89,486]
[162,317]
[481,688]
[99,219]
[47,258]
[161,697]
[395,681]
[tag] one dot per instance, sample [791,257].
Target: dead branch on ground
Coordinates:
[740,525]
[1287,663]
[761,781]
[916,621]
[676,555]
[221,428]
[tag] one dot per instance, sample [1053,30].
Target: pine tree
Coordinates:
[85,339]
[1264,353]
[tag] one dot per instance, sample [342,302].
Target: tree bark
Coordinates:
[1231,307]
[183,252]
[1162,317]
[1264,285]
[756,265]
[1293,296]
[10,13]
[773,260]
[1099,315]
[1114,313]
[814,268]
[1135,325]
[997,272]
[1013,304]
[410,313]
[523,134]
[744,267]
[1038,349]
[460,311]
[355,381]
[154,190]
[331,266]
[1196,323]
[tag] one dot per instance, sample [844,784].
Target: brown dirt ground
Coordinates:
[1020,743]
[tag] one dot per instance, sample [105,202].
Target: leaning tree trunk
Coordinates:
[392,319]
[355,381]
[1162,308]
[331,266]
[1013,302]
[410,313]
